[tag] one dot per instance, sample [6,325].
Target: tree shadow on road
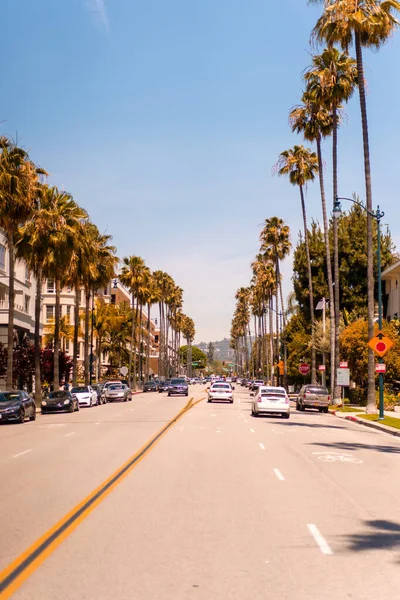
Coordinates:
[383,535]
[311,425]
[352,446]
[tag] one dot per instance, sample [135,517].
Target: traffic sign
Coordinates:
[344,364]
[304,368]
[380,368]
[124,371]
[380,344]
[321,368]
[343,377]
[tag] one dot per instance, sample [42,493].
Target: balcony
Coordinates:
[4,306]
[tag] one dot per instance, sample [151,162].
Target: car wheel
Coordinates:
[187,394]
[297,406]
[33,416]
[21,416]
[126,399]
[287,415]
[326,410]
[231,401]
[168,395]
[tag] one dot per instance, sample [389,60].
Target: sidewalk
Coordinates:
[372,424]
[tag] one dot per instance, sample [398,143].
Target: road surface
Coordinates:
[223,507]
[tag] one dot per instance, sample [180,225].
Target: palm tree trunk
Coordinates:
[285,381]
[148,343]
[276,369]
[160,342]
[132,355]
[328,262]
[98,348]
[310,287]
[38,305]
[86,344]
[271,338]
[141,344]
[11,297]
[371,403]
[76,332]
[57,316]
[336,388]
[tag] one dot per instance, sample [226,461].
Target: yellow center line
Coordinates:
[22,567]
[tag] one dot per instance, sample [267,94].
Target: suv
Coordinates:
[313,396]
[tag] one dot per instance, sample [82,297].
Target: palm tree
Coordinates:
[367,23]
[61,254]
[275,238]
[301,165]
[19,186]
[315,121]
[133,273]
[331,80]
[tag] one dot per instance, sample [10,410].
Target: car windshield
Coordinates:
[9,396]
[80,390]
[317,389]
[116,387]
[57,394]
[177,381]
[268,392]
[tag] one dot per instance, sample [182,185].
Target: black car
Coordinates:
[178,387]
[16,407]
[163,386]
[150,386]
[59,401]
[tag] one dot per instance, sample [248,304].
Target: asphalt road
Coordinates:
[224,506]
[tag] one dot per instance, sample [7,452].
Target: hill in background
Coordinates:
[222,351]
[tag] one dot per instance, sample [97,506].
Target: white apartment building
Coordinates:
[391,291]
[25,290]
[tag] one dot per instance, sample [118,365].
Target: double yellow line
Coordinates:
[22,567]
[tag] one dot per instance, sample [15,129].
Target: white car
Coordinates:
[86,395]
[220,391]
[271,400]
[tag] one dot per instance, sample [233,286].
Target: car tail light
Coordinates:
[308,393]
[259,399]
[329,398]
[287,401]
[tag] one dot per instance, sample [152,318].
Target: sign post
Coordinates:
[380,344]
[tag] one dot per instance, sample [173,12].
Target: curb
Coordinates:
[370,424]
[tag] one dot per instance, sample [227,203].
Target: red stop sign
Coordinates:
[380,346]
[304,368]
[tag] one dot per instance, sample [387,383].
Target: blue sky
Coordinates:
[164,119]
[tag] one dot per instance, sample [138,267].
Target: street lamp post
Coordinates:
[377,215]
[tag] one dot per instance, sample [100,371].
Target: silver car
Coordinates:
[118,391]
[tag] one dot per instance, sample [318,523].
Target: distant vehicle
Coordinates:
[271,400]
[118,391]
[313,396]
[16,407]
[150,386]
[191,381]
[178,387]
[256,384]
[220,391]
[85,394]
[59,401]
[196,380]
[163,386]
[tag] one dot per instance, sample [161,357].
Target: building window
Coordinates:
[27,301]
[2,257]
[69,311]
[112,298]
[105,291]
[67,346]
[50,287]
[50,312]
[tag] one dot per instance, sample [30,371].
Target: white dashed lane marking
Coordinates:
[22,453]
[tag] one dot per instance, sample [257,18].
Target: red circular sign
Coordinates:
[380,347]
[304,368]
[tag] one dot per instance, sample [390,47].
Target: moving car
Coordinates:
[313,396]
[178,386]
[85,394]
[220,391]
[163,386]
[256,384]
[16,407]
[58,401]
[271,400]
[118,391]
[150,386]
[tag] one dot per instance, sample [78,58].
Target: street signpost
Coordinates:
[321,368]
[124,371]
[304,369]
[380,344]
[380,368]
[344,364]
[343,377]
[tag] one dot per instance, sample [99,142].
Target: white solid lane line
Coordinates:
[69,434]
[261,446]
[98,423]
[321,541]
[22,453]
[279,475]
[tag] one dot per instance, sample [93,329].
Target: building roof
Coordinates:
[393,270]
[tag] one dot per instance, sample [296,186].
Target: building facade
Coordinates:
[391,291]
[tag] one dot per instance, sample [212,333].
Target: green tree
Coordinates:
[198,357]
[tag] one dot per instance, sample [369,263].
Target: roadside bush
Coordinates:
[358,396]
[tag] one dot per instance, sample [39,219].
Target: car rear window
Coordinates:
[317,389]
[224,386]
[272,392]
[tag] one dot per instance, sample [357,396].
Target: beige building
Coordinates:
[391,291]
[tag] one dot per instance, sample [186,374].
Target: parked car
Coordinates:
[98,389]
[150,386]
[271,400]
[313,396]
[85,394]
[178,386]
[59,401]
[118,391]
[16,407]
[220,391]
[163,386]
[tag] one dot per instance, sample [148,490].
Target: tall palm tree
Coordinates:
[19,186]
[367,23]
[314,121]
[133,273]
[163,283]
[61,254]
[332,79]
[301,165]
[153,296]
